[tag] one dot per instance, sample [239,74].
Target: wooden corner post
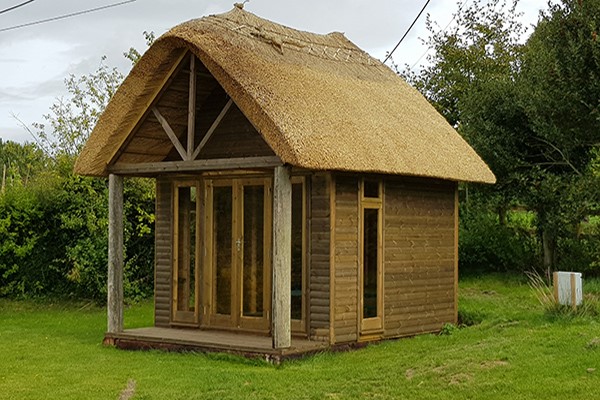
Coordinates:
[282,258]
[115,254]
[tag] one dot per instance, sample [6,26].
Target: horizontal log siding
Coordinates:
[346,259]
[319,259]
[163,255]
[419,256]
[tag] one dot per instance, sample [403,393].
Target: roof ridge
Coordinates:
[283,37]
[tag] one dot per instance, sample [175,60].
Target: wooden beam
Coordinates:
[115,254]
[191,108]
[212,129]
[170,133]
[282,258]
[159,88]
[195,165]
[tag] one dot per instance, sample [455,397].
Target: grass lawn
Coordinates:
[54,351]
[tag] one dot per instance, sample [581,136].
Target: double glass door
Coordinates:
[237,259]
[221,273]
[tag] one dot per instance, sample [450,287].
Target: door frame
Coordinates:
[179,317]
[236,319]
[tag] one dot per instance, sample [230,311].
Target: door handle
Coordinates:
[238,244]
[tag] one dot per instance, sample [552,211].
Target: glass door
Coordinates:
[185,253]
[239,233]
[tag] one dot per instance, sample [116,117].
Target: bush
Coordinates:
[54,238]
[485,245]
[579,254]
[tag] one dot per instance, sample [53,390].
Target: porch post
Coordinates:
[282,258]
[115,254]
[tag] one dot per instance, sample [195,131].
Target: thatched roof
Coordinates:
[318,101]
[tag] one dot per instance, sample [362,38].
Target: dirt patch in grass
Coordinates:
[129,391]
[459,379]
[409,373]
[593,344]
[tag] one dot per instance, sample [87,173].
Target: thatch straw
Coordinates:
[318,101]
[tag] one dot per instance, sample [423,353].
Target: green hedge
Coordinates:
[54,238]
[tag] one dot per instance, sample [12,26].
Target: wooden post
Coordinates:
[573,292]
[282,258]
[191,108]
[115,253]
[555,283]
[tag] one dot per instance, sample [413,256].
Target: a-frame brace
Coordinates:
[190,153]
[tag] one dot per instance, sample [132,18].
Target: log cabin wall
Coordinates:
[320,234]
[163,253]
[346,259]
[419,256]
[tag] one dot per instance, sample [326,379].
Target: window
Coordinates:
[185,253]
[371,270]
[298,259]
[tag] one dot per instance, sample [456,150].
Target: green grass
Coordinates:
[53,351]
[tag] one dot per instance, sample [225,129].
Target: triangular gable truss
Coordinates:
[192,124]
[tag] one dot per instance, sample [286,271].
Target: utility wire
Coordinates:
[67,15]
[408,30]
[17,6]
[443,31]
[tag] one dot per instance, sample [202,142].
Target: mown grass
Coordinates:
[517,351]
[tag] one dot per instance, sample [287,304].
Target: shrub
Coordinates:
[543,291]
[54,238]
[579,254]
[485,245]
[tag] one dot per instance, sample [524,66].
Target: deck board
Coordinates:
[179,339]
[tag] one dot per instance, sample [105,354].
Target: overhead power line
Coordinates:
[17,6]
[91,10]
[407,31]
[443,31]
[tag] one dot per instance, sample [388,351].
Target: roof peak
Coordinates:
[334,46]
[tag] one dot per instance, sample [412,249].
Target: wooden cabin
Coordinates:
[306,196]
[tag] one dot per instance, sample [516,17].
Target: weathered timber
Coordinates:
[191,125]
[170,133]
[163,253]
[282,257]
[196,165]
[115,253]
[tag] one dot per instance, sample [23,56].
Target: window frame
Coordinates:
[299,325]
[180,317]
[371,325]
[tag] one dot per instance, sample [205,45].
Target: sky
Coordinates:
[35,60]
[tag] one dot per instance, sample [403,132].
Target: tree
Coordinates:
[19,162]
[53,228]
[530,111]
[471,79]
[70,121]
[559,84]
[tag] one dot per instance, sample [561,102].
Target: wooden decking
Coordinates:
[206,341]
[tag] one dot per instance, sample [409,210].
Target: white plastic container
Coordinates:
[568,288]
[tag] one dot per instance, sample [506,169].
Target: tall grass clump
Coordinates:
[544,293]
